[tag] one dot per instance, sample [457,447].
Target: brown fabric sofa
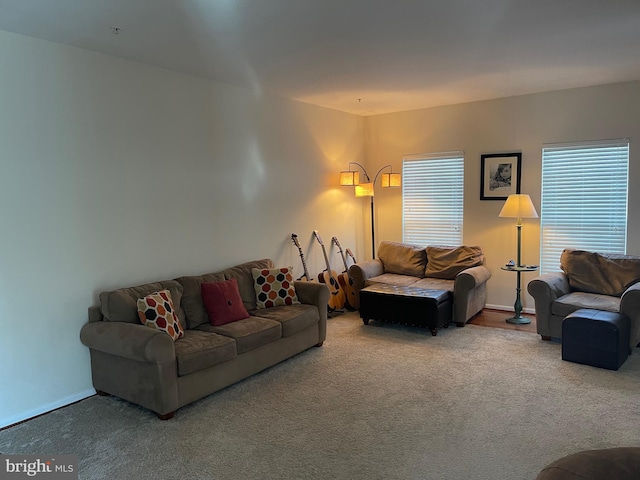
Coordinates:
[146,367]
[597,281]
[460,270]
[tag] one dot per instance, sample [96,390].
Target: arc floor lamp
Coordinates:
[351,178]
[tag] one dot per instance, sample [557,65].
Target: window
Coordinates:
[432,194]
[584,199]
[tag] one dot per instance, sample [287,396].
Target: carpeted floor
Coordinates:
[375,402]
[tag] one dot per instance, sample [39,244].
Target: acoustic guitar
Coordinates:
[344,279]
[337,297]
[352,294]
[294,239]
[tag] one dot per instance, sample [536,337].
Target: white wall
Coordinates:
[116,173]
[524,124]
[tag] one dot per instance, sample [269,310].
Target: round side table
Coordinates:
[518,318]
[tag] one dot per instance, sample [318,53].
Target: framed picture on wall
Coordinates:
[500,175]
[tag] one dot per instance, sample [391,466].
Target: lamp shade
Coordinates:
[518,205]
[349,178]
[391,180]
[364,190]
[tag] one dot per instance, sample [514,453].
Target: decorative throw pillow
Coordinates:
[402,258]
[274,286]
[602,273]
[223,302]
[156,310]
[447,262]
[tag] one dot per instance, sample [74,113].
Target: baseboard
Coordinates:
[9,421]
[510,308]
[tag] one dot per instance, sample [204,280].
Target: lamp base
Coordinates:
[518,320]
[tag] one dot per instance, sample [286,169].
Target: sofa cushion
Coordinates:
[156,311]
[294,318]
[122,305]
[194,309]
[242,273]
[571,302]
[447,262]
[435,284]
[222,302]
[249,334]
[392,279]
[604,273]
[273,287]
[402,258]
[199,350]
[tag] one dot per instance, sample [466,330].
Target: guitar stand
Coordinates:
[332,312]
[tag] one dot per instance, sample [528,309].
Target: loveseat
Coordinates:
[598,281]
[148,367]
[460,270]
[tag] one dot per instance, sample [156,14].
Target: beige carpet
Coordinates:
[375,402]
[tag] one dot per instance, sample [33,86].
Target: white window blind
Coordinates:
[584,199]
[432,196]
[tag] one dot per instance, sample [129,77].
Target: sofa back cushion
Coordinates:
[603,273]
[192,302]
[122,305]
[402,258]
[244,277]
[446,262]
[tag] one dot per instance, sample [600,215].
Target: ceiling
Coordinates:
[360,56]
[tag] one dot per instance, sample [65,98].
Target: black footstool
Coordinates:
[408,305]
[596,337]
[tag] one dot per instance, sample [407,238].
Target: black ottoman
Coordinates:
[409,305]
[596,337]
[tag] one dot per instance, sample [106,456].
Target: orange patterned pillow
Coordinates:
[274,286]
[156,310]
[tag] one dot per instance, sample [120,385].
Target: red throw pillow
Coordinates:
[223,302]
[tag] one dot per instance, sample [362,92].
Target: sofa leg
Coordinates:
[546,338]
[166,416]
[102,393]
[459,324]
[319,344]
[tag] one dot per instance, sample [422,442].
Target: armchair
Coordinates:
[588,280]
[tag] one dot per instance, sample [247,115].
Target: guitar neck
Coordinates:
[344,259]
[326,259]
[294,238]
[324,251]
[304,268]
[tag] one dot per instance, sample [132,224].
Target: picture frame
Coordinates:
[499,175]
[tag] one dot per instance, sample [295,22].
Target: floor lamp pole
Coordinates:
[518,319]
[519,227]
[373,232]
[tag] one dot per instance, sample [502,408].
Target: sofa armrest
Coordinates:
[545,290]
[469,293]
[359,273]
[128,340]
[548,287]
[471,278]
[630,306]
[314,293]
[362,271]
